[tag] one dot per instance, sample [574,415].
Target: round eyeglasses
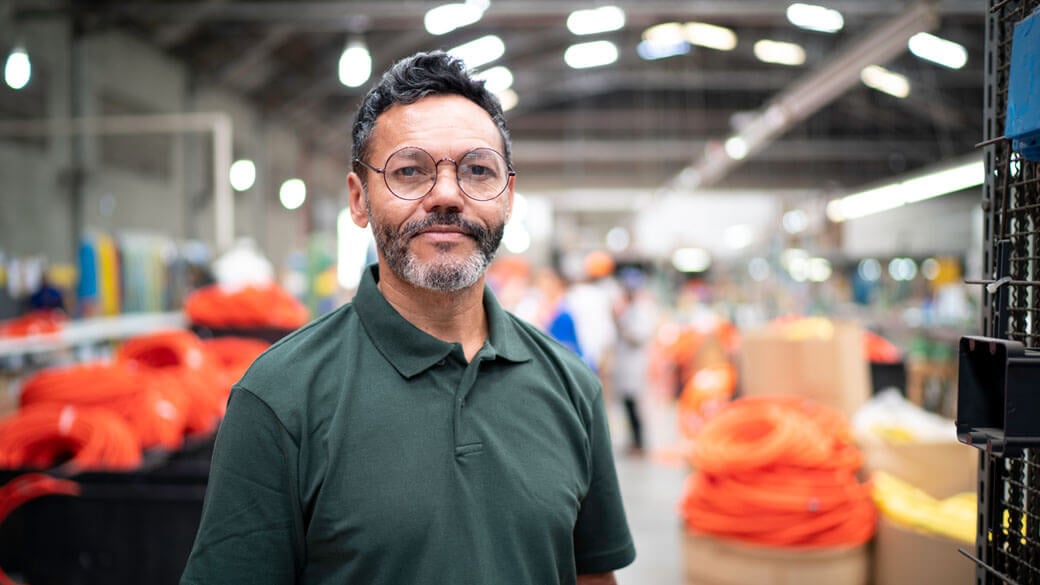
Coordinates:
[410,173]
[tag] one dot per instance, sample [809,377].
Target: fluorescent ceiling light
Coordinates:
[938,50]
[596,20]
[508,99]
[355,64]
[902,269]
[738,237]
[594,54]
[292,193]
[779,52]
[242,174]
[793,256]
[736,148]
[480,51]
[869,269]
[935,184]
[653,50]
[663,40]
[886,81]
[691,259]
[795,221]
[713,37]
[447,17]
[666,32]
[496,79]
[17,68]
[820,269]
[813,17]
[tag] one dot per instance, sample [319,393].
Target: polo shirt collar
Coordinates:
[411,350]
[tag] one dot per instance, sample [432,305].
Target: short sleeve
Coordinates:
[602,541]
[250,531]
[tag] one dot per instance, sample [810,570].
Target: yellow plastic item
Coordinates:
[908,506]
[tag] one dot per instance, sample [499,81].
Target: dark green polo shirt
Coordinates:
[361,451]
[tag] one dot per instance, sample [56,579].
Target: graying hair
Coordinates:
[413,78]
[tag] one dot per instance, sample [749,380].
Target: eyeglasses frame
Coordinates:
[437,163]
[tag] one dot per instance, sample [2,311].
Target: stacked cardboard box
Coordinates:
[712,561]
[820,359]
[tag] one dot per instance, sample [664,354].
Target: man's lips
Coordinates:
[446,231]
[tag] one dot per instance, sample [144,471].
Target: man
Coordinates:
[419,434]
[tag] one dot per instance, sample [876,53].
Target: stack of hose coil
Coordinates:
[159,389]
[103,416]
[250,306]
[40,322]
[778,471]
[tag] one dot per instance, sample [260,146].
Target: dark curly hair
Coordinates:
[416,77]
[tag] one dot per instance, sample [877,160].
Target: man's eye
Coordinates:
[479,172]
[410,172]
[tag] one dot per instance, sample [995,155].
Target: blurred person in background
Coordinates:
[635,317]
[46,297]
[591,298]
[419,434]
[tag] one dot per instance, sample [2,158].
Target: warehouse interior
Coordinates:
[760,164]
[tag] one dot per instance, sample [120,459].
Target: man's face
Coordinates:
[444,241]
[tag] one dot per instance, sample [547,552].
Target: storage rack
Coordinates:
[998,402]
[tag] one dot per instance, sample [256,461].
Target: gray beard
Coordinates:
[441,274]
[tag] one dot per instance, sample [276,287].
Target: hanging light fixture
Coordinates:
[355,64]
[17,68]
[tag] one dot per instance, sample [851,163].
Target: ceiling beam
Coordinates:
[810,93]
[515,12]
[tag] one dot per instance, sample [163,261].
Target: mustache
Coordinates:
[470,228]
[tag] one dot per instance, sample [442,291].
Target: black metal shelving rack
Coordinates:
[998,402]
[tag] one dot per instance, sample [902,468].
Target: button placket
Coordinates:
[469,378]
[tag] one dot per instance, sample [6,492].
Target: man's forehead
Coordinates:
[436,114]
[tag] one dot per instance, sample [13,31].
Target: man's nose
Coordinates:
[446,192]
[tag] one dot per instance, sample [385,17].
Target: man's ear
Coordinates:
[357,200]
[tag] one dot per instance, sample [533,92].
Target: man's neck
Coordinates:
[456,316]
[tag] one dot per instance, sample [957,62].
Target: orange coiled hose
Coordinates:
[778,471]
[174,348]
[185,370]
[37,322]
[116,386]
[28,487]
[233,356]
[251,306]
[40,436]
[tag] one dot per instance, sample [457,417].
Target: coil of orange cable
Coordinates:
[37,322]
[778,471]
[41,436]
[193,373]
[116,386]
[251,306]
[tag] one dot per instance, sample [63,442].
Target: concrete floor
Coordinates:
[651,486]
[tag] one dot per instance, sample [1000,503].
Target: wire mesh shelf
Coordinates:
[999,374]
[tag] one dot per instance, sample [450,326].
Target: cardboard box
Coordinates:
[939,468]
[826,363]
[712,561]
[904,557]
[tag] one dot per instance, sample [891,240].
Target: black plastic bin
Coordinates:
[132,528]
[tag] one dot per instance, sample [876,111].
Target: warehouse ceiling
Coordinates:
[634,124]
